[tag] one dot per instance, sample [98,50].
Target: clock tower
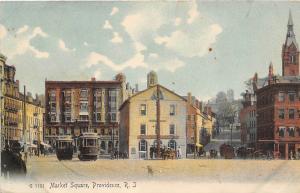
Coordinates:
[290,52]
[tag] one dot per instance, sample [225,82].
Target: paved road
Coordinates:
[249,176]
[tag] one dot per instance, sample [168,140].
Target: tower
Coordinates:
[271,74]
[290,52]
[151,79]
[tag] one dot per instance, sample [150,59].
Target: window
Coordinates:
[112,99]
[61,131]
[84,117]
[291,131]
[143,109]
[172,129]
[281,113]
[143,145]
[84,107]
[281,131]
[53,107]
[52,118]
[281,96]
[143,129]
[113,117]
[172,109]
[98,117]
[293,59]
[68,117]
[291,113]
[84,93]
[172,144]
[292,96]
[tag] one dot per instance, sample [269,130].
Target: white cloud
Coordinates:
[63,47]
[96,58]
[107,25]
[3,32]
[191,44]
[114,11]
[23,29]
[142,23]
[193,13]
[168,64]
[137,60]
[85,44]
[177,21]
[117,38]
[19,43]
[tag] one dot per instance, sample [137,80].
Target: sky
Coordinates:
[194,46]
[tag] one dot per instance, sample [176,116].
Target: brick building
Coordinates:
[278,103]
[74,107]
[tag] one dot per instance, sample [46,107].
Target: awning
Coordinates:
[199,145]
[32,146]
[45,144]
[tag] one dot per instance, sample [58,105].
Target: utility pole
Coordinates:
[1,112]
[158,120]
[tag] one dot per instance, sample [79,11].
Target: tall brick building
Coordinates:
[278,103]
[74,107]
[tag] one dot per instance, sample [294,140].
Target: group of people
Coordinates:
[165,152]
[12,163]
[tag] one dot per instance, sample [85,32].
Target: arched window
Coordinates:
[143,149]
[172,144]
[293,59]
[143,145]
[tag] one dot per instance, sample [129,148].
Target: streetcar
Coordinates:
[88,146]
[64,148]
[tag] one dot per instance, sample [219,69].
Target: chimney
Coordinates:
[93,79]
[18,84]
[200,105]
[189,98]
[136,88]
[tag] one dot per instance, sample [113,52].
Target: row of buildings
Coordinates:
[270,118]
[126,119]
[21,115]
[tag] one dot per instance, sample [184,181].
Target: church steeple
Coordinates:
[290,51]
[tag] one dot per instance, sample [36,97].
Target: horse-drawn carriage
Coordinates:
[227,151]
[168,154]
[213,153]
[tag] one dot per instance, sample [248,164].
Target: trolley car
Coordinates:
[64,148]
[88,146]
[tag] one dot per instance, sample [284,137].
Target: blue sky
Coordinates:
[79,40]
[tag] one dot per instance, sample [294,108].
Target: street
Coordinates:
[47,174]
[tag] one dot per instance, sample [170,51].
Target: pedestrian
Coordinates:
[291,155]
[179,152]
[151,152]
[297,154]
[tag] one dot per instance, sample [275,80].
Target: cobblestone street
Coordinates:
[135,175]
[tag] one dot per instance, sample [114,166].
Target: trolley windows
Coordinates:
[64,144]
[89,142]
